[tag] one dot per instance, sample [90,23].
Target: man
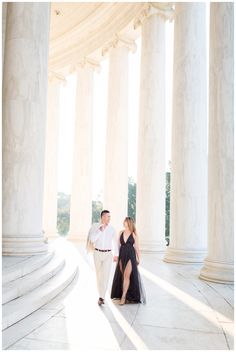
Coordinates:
[103,237]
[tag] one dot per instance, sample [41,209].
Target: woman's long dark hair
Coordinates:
[131,225]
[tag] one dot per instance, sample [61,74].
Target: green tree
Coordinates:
[167,220]
[63,213]
[131,198]
[96,210]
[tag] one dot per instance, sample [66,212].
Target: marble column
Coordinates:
[81,192]
[4,19]
[188,200]
[116,157]
[150,197]
[24,122]
[218,265]
[51,156]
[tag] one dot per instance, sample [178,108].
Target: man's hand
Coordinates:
[115,259]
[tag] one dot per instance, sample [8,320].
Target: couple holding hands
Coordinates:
[102,240]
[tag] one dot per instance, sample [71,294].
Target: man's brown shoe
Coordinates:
[100,301]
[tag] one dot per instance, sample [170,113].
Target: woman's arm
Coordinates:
[119,240]
[136,246]
[116,245]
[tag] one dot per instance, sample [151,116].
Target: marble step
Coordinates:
[26,325]
[25,266]
[19,287]
[23,306]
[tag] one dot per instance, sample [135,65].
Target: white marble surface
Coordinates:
[4,18]
[51,159]
[26,294]
[182,312]
[188,208]
[150,198]
[24,121]
[13,261]
[116,157]
[16,267]
[84,27]
[81,191]
[218,265]
[22,285]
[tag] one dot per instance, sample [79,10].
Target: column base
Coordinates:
[23,246]
[153,246]
[184,256]
[217,272]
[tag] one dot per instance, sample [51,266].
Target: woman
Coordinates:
[127,284]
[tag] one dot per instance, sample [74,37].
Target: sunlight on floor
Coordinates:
[184,297]
[180,314]
[94,328]
[94,325]
[127,328]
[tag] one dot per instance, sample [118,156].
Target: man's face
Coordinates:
[106,218]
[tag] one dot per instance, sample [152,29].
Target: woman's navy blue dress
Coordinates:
[135,291]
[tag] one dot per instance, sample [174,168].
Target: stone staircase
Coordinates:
[34,281]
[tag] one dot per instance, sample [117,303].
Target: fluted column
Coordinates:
[218,265]
[116,158]
[4,19]
[150,198]
[51,156]
[81,192]
[188,200]
[24,122]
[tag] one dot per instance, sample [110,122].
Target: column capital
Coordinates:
[164,10]
[86,63]
[55,77]
[119,41]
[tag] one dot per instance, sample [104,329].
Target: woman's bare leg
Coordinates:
[126,283]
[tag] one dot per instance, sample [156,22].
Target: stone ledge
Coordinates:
[21,307]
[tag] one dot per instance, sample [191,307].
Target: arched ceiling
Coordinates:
[80,30]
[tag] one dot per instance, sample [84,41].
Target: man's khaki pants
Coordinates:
[103,263]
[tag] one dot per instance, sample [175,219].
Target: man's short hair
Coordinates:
[104,212]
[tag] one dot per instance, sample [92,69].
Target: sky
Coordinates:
[67,118]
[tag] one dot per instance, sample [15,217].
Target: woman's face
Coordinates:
[126,225]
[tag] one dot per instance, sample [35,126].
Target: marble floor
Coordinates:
[182,313]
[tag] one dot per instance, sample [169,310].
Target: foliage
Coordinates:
[131,198]
[167,220]
[63,201]
[63,213]
[96,210]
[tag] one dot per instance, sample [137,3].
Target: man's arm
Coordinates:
[94,232]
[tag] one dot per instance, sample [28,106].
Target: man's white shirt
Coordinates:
[105,239]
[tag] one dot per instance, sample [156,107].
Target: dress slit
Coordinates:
[127,254]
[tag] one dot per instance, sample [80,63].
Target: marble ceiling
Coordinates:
[81,30]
